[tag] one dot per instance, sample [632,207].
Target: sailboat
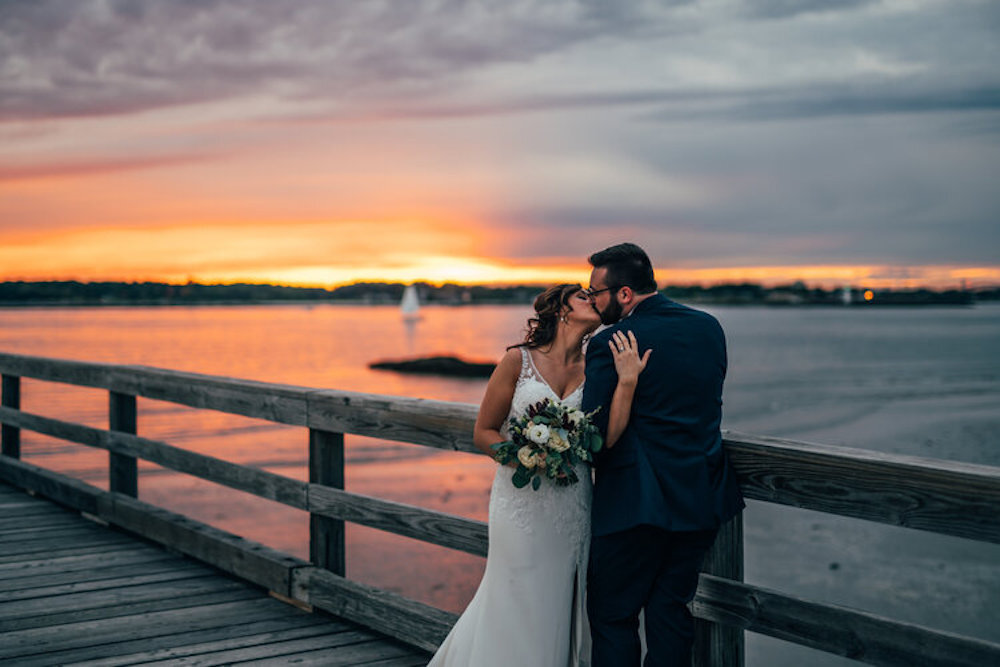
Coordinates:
[410,305]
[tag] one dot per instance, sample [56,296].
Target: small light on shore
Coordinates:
[869,295]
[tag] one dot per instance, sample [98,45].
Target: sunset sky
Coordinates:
[324,142]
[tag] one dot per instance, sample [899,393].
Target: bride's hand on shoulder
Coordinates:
[625,352]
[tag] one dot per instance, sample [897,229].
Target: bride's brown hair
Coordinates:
[549,306]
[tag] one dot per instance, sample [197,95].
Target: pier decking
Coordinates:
[75,592]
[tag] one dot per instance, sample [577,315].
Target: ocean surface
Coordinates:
[916,381]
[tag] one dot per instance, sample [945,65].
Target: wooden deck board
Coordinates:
[131,610]
[42,564]
[117,596]
[58,551]
[73,592]
[341,641]
[354,654]
[95,577]
[206,641]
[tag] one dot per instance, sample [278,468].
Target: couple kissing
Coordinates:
[630,482]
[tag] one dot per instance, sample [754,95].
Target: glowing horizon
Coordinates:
[471,271]
[395,249]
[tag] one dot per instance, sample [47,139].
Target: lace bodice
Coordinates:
[531,387]
[565,509]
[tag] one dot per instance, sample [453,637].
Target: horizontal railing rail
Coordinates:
[943,497]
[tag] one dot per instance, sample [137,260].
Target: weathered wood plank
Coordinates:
[101,575]
[119,596]
[274,402]
[327,541]
[50,530]
[10,436]
[41,548]
[102,581]
[24,507]
[419,421]
[62,489]
[947,497]
[230,553]
[355,654]
[715,644]
[40,523]
[123,471]
[45,564]
[111,613]
[410,621]
[404,661]
[258,482]
[84,435]
[137,626]
[285,404]
[70,540]
[81,373]
[195,642]
[287,650]
[252,561]
[65,550]
[848,632]
[417,522]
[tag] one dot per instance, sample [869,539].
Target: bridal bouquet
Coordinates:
[549,439]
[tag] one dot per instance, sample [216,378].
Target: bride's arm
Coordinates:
[496,401]
[625,352]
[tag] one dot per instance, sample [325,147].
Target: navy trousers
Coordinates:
[649,568]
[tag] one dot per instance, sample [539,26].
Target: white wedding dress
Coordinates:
[529,610]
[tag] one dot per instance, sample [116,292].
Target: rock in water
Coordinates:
[442,365]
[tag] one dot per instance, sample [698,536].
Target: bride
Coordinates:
[529,609]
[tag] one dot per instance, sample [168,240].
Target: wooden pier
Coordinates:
[924,494]
[74,592]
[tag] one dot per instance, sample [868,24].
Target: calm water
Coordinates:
[922,381]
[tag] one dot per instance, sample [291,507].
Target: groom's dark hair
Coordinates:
[628,265]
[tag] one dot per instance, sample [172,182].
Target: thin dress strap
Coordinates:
[528,368]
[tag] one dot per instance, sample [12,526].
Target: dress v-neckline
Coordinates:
[531,360]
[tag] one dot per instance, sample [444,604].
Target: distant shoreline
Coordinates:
[4,305]
[69,294]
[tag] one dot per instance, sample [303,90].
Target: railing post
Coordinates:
[327,544]
[123,473]
[11,435]
[717,645]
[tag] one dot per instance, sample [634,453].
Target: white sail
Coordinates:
[410,306]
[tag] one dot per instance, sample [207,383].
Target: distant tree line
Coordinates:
[154,293]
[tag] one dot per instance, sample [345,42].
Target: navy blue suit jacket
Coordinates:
[668,469]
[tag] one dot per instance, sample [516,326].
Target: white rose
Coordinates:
[577,417]
[526,457]
[538,433]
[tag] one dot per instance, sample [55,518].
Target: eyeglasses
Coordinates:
[590,292]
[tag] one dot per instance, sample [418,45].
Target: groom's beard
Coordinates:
[612,313]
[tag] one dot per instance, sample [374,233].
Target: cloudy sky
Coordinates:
[321,142]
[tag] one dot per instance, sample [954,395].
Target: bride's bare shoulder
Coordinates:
[507,371]
[511,360]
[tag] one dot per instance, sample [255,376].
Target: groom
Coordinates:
[662,491]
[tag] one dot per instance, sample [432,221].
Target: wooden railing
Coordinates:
[939,496]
